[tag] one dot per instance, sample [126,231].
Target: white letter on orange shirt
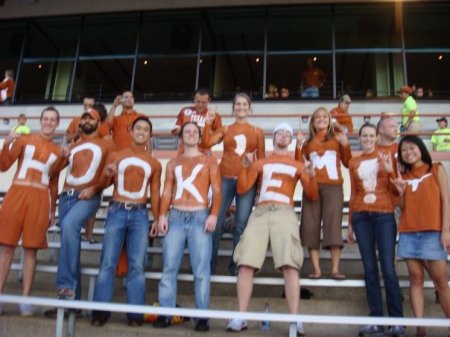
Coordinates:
[187,184]
[123,165]
[93,165]
[327,160]
[29,162]
[267,181]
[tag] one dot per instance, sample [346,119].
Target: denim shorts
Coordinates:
[421,246]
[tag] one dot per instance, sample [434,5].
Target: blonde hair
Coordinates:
[312,129]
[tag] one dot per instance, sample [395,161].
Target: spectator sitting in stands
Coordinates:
[284,92]
[272,92]
[419,92]
[22,128]
[7,88]
[441,137]
[341,118]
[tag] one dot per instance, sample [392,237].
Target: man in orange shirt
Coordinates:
[312,79]
[7,88]
[273,220]
[341,119]
[73,130]
[79,200]
[197,114]
[29,205]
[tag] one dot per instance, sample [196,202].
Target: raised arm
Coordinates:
[210,138]
[261,144]
[9,155]
[248,177]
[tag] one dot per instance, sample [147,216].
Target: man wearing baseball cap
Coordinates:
[273,220]
[410,112]
[441,137]
[79,200]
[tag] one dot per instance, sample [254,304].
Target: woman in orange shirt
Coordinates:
[424,223]
[240,139]
[372,221]
[326,150]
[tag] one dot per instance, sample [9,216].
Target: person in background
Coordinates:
[22,127]
[274,221]
[29,205]
[441,137]
[272,91]
[7,88]
[240,140]
[424,233]
[186,219]
[372,225]
[410,112]
[73,130]
[134,173]
[326,150]
[284,93]
[197,114]
[342,121]
[312,79]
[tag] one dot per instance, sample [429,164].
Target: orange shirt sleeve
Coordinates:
[247,177]
[353,191]
[10,155]
[104,181]
[216,186]
[346,154]
[261,144]
[210,138]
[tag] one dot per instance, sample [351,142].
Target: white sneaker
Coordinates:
[300,329]
[236,325]
[26,310]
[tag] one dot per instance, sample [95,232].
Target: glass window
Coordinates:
[170,32]
[44,81]
[228,74]
[112,35]
[369,74]
[299,28]
[367,26]
[426,25]
[285,71]
[232,51]
[13,33]
[103,79]
[430,71]
[52,37]
[167,55]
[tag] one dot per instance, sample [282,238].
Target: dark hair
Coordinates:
[243,95]
[101,109]
[50,108]
[424,154]
[144,119]
[182,129]
[202,91]
[367,125]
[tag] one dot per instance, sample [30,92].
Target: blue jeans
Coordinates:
[73,214]
[244,206]
[377,231]
[186,227]
[311,92]
[132,225]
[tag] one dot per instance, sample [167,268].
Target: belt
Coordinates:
[129,205]
[70,192]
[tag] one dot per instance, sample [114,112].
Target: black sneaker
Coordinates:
[202,325]
[161,322]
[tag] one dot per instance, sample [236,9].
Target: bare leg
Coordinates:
[335,252]
[416,296]
[438,273]
[89,232]
[314,255]
[291,288]
[6,257]
[29,267]
[244,286]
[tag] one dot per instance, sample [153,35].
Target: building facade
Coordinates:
[167,49]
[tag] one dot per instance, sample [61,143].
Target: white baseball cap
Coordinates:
[283,126]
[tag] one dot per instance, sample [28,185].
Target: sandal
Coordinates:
[314,276]
[338,276]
